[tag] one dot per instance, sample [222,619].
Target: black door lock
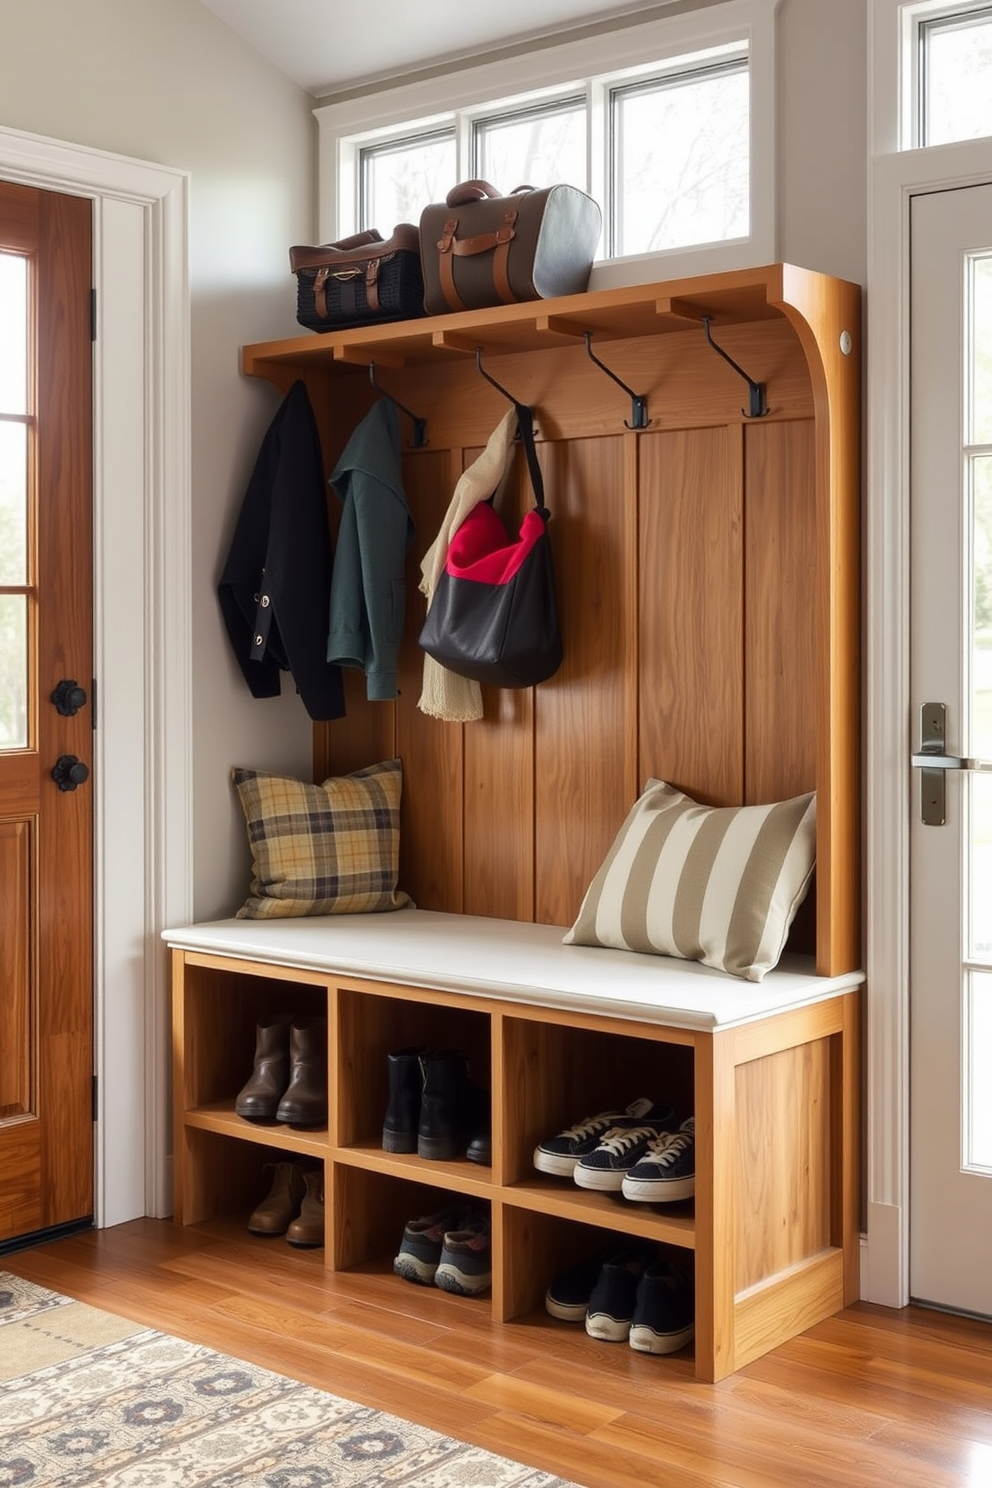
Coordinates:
[69,771]
[69,697]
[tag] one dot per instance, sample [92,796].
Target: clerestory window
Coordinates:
[672,133]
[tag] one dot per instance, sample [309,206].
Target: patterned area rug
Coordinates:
[87,1398]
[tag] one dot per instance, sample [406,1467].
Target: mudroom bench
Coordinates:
[769,1069]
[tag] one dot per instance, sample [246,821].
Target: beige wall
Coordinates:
[823,135]
[166,82]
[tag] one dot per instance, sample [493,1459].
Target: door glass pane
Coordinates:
[981,874]
[13,333]
[400,179]
[978,1132]
[956,66]
[13,672]
[13,503]
[536,147]
[681,160]
[981,380]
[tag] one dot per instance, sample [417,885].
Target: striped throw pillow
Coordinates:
[322,849]
[716,884]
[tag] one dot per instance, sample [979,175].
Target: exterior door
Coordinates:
[951,662]
[46,875]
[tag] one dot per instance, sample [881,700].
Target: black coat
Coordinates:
[276,582]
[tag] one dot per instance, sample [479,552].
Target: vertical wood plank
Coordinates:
[691,612]
[499,776]
[585,714]
[432,751]
[715,1206]
[782,661]
[783,1161]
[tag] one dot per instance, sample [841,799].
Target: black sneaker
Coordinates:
[568,1295]
[422,1243]
[611,1305]
[664,1310]
[605,1166]
[559,1154]
[466,1266]
[667,1171]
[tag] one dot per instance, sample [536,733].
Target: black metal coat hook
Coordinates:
[638,401]
[757,406]
[497,385]
[419,439]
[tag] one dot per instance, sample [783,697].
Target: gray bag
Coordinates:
[478,248]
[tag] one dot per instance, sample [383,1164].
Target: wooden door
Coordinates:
[46,876]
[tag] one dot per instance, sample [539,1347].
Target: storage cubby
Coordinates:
[371,1209]
[555,1075]
[540,1247]
[370,1026]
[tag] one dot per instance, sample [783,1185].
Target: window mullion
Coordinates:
[464,151]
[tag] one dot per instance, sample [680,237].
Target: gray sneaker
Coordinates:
[667,1171]
[423,1240]
[559,1154]
[466,1266]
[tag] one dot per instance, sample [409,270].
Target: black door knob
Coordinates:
[69,771]
[69,697]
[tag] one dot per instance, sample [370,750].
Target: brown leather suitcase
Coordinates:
[478,248]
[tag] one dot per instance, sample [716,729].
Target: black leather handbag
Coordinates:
[494,614]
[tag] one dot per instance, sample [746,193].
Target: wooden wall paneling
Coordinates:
[691,681]
[498,841]
[782,661]
[586,715]
[432,750]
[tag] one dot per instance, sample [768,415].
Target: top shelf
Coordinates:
[610,314]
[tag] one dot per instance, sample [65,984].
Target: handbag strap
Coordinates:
[525,427]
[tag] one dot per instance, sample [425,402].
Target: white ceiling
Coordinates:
[327,45]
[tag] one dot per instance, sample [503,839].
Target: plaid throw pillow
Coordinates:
[322,849]
[720,885]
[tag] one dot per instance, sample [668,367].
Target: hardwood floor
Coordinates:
[871,1396]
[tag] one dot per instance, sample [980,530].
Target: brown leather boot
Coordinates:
[282,1202]
[259,1098]
[305,1100]
[307,1229]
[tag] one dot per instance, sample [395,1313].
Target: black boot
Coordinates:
[305,1100]
[479,1127]
[406,1080]
[260,1097]
[441,1133]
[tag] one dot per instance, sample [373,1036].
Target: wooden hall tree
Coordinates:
[708,572]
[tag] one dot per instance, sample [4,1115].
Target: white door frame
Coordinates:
[142,652]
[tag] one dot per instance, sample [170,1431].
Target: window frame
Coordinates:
[896,113]
[591,64]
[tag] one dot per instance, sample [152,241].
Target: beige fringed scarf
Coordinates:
[446,695]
